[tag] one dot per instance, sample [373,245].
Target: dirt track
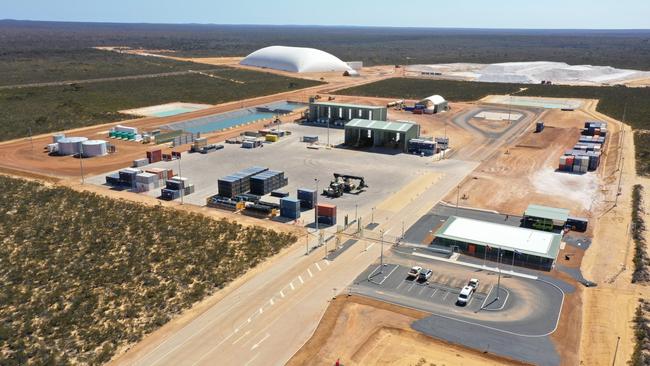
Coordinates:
[362,331]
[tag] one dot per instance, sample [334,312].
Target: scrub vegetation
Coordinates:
[641,258]
[55,108]
[615,102]
[41,66]
[83,275]
[641,324]
[372,45]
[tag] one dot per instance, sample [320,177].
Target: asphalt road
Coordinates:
[267,319]
[516,326]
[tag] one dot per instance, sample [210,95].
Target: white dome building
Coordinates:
[295,59]
[434,104]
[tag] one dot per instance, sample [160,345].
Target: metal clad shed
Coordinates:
[544,217]
[372,133]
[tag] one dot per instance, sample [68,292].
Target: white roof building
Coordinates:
[433,100]
[295,59]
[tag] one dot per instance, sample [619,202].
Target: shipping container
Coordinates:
[271,138]
[169,194]
[154,156]
[140,162]
[307,197]
[325,209]
[290,208]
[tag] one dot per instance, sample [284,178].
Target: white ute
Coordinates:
[414,272]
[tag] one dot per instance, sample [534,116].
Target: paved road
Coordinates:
[487,143]
[518,326]
[268,319]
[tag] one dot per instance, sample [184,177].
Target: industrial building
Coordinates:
[338,114]
[515,246]
[433,104]
[373,133]
[545,218]
[295,59]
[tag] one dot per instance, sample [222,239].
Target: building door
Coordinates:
[471,248]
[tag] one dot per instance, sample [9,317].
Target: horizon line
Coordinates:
[320,25]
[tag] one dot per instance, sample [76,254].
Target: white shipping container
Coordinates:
[121,128]
[146,178]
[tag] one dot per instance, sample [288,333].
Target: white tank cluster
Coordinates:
[70,145]
[75,145]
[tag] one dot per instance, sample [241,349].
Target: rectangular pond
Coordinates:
[222,121]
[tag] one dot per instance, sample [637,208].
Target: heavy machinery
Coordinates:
[342,183]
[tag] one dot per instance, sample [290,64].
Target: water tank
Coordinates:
[94,148]
[70,145]
[57,137]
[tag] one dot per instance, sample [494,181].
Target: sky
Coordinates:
[546,14]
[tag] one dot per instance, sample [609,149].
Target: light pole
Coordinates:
[381,256]
[81,158]
[316,211]
[180,176]
[512,267]
[356,212]
[457,198]
[499,272]
[372,217]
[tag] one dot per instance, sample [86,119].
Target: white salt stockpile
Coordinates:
[533,73]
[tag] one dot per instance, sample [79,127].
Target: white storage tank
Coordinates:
[94,148]
[70,145]
[57,137]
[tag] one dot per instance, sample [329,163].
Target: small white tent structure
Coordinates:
[295,59]
[434,104]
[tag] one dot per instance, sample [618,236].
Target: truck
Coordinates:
[414,272]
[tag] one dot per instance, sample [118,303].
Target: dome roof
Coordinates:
[433,100]
[295,59]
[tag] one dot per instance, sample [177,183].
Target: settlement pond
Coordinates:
[222,121]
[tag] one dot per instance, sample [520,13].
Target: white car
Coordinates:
[414,272]
[465,295]
[473,282]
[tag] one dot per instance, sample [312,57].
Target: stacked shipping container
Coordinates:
[307,197]
[238,183]
[326,213]
[266,182]
[585,155]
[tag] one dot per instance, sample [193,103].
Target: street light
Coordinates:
[499,273]
[180,176]
[381,256]
[81,158]
[372,218]
[316,212]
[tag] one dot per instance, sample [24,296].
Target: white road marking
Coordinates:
[209,351]
[487,296]
[370,246]
[391,272]
[445,297]
[291,285]
[251,360]
[309,271]
[400,285]
[422,289]
[261,311]
[434,292]
[260,342]
[327,262]
[271,302]
[242,337]
[301,280]
[411,288]
[317,266]
[282,293]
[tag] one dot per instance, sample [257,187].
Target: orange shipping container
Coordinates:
[325,209]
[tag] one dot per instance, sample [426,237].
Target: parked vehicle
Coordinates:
[425,274]
[465,295]
[414,272]
[473,283]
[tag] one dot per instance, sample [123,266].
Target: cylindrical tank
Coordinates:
[92,148]
[57,137]
[71,145]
